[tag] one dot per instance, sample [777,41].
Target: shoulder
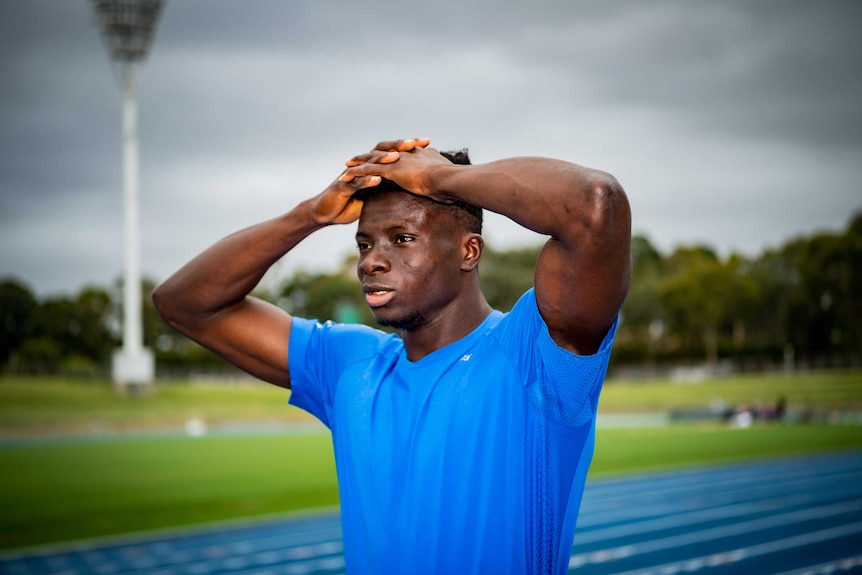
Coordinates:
[562,384]
[354,340]
[525,336]
[320,353]
[523,318]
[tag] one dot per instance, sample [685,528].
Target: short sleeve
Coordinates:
[564,385]
[318,354]
[570,383]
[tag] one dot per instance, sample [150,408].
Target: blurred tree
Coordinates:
[40,355]
[17,303]
[506,275]
[827,314]
[75,330]
[157,334]
[777,278]
[644,318]
[851,277]
[52,332]
[336,296]
[645,256]
[91,325]
[806,294]
[703,296]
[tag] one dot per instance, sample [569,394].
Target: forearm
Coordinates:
[548,196]
[225,273]
[582,274]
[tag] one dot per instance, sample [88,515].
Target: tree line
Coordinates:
[798,305]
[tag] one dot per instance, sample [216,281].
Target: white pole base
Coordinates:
[133,371]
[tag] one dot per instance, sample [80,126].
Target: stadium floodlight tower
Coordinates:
[127,28]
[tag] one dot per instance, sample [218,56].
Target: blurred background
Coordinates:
[735,128]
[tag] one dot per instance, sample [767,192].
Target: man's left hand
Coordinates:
[405,162]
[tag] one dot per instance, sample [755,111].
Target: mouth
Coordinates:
[378,296]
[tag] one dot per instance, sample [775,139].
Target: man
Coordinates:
[461,446]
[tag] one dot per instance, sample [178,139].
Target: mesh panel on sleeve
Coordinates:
[560,413]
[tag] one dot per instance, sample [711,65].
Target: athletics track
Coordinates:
[799,516]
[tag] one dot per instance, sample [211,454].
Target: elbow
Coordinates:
[179,306]
[601,209]
[607,197]
[165,304]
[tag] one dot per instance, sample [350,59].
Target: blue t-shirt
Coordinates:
[471,460]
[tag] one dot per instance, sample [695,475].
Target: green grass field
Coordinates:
[59,492]
[815,390]
[39,406]
[31,406]
[86,486]
[69,491]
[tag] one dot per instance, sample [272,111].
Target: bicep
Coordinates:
[582,279]
[253,335]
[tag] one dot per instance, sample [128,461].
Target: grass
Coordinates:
[813,390]
[59,492]
[86,487]
[45,406]
[31,406]
[621,451]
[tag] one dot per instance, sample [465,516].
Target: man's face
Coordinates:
[409,260]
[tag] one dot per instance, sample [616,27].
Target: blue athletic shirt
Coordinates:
[471,460]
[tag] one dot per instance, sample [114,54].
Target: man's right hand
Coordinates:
[337,204]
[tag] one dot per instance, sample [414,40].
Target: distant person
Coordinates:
[462,445]
[777,411]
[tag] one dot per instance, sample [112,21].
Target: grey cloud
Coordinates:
[721,119]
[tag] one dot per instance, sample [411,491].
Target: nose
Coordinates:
[372,261]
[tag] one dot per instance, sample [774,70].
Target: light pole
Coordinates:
[127,27]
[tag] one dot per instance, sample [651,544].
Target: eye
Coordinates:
[402,239]
[361,246]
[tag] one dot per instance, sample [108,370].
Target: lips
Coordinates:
[378,296]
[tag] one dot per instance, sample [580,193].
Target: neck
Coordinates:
[455,322]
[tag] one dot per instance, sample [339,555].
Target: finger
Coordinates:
[374,157]
[389,145]
[402,145]
[362,182]
[412,144]
[350,175]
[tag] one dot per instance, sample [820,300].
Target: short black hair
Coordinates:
[467,215]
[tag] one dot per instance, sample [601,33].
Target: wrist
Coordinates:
[441,182]
[304,218]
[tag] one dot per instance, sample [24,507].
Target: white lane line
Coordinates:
[662,543]
[707,514]
[638,508]
[735,555]
[331,564]
[751,482]
[829,567]
[612,488]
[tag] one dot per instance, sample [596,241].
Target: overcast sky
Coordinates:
[734,124]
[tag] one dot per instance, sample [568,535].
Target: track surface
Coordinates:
[800,516]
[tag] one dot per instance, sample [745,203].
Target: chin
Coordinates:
[409,321]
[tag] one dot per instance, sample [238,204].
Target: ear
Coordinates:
[471,251]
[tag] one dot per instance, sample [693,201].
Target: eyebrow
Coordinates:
[390,229]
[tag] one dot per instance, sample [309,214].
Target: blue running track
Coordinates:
[800,516]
